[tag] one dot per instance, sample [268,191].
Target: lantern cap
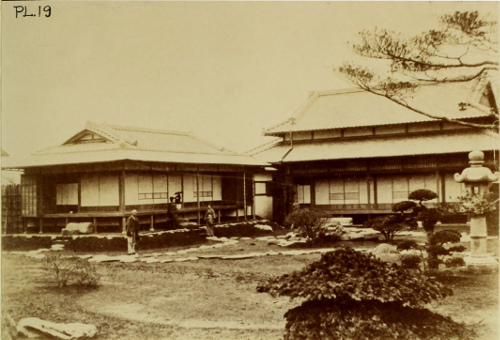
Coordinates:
[476,173]
[476,157]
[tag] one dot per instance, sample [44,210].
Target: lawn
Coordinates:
[204,299]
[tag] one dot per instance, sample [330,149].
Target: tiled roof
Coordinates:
[121,143]
[134,155]
[357,108]
[452,142]
[131,138]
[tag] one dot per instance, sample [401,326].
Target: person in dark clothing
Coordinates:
[210,219]
[132,232]
[172,214]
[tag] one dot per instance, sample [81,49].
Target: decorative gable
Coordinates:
[488,97]
[87,137]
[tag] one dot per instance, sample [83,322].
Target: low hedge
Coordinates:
[11,242]
[147,241]
[242,229]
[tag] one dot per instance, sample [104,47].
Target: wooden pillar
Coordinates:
[253,197]
[244,197]
[312,192]
[198,195]
[368,193]
[152,223]
[121,185]
[95,225]
[443,188]
[375,200]
[438,187]
[124,225]
[40,225]
[39,209]
[218,216]
[182,191]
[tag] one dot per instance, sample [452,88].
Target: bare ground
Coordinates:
[204,299]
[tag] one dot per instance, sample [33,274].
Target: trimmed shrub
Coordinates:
[350,295]
[310,224]
[373,320]
[388,225]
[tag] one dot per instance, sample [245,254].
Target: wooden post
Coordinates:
[244,197]
[443,188]
[124,225]
[95,225]
[439,194]
[152,223]
[121,185]
[253,197]
[39,212]
[198,194]
[218,216]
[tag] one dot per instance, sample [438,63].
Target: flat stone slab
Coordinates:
[237,257]
[265,238]
[166,260]
[205,247]
[104,258]
[150,260]
[208,257]
[127,258]
[263,227]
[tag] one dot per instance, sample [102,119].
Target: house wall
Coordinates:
[355,190]
[98,190]
[389,189]
[157,188]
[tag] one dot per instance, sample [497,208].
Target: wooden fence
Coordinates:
[11,209]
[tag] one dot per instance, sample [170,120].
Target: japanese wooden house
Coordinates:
[354,153]
[103,172]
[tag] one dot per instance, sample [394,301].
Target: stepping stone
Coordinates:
[245,238]
[182,252]
[237,257]
[103,258]
[127,259]
[166,260]
[263,227]
[208,257]
[85,257]
[150,260]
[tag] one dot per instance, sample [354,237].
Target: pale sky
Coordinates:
[223,70]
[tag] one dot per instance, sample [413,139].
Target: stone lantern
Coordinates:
[477,179]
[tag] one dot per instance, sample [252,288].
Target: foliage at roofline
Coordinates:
[464,49]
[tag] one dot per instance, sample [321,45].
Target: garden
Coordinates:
[302,281]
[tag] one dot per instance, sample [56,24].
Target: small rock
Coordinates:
[385,248]
[33,327]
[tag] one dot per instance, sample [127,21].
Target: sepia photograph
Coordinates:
[250,170]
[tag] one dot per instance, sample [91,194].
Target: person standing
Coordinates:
[172,214]
[132,232]
[210,219]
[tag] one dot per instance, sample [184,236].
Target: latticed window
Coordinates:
[29,196]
